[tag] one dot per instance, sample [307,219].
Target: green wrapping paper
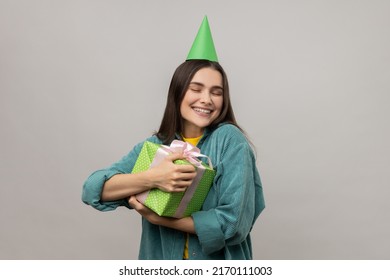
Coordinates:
[181,204]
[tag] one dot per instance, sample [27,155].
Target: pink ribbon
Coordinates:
[190,153]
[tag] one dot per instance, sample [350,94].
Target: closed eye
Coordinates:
[218,91]
[195,89]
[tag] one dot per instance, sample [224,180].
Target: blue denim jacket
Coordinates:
[231,208]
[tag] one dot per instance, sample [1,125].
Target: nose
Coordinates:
[206,97]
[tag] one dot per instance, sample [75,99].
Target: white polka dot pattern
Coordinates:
[163,203]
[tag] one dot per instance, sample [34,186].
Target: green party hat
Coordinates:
[203,46]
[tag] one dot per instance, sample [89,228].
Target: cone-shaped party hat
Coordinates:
[203,46]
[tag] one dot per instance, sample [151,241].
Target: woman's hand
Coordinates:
[144,211]
[184,224]
[170,177]
[166,176]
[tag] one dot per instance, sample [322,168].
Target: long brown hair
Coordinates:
[172,120]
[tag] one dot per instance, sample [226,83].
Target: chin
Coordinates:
[203,125]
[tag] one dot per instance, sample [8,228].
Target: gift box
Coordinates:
[180,204]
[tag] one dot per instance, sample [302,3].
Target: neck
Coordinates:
[192,132]
[187,134]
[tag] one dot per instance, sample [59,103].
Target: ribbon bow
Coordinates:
[190,152]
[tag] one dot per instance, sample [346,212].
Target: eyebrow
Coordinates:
[202,85]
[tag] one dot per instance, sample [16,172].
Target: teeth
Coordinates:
[202,110]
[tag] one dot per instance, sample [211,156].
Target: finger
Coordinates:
[178,188]
[131,199]
[133,202]
[183,183]
[185,168]
[174,156]
[185,176]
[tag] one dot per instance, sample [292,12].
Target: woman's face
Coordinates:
[202,102]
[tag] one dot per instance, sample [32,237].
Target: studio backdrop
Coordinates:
[82,82]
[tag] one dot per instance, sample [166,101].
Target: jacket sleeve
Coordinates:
[93,186]
[239,201]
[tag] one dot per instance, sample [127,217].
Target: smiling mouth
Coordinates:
[201,110]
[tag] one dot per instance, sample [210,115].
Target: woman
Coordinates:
[199,111]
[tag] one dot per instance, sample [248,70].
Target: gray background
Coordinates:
[83,81]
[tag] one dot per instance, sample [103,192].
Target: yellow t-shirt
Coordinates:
[194,142]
